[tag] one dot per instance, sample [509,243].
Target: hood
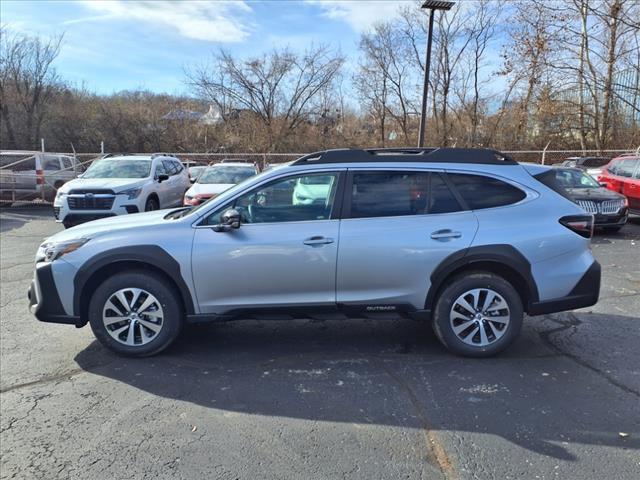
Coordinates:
[593,194]
[111,224]
[208,188]
[115,184]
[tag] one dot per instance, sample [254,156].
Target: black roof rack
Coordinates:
[161,154]
[431,155]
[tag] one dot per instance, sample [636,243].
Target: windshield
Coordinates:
[109,168]
[575,179]
[226,175]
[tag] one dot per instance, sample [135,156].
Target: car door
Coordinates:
[397,227]
[162,189]
[182,183]
[282,255]
[631,185]
[174,185]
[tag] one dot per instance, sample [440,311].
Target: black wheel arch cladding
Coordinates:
[499,254]
[151,255]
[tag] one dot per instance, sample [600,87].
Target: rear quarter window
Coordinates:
[481,192]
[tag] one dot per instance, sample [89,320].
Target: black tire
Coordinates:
[67,224]
[152,283]
[612,229]
[445,302]
[151,204]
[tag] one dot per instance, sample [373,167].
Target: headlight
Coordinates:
[131,193]
[51,251]
[60,194]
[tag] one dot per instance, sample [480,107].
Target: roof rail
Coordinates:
[431,155]
[161,154]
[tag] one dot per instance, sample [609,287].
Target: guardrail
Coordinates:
[45,191]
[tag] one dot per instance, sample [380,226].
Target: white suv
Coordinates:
[120,185]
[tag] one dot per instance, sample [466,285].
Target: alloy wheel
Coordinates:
[132,316]
[479,317]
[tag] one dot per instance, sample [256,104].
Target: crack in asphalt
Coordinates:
[573,323]
[48,379]
[435,450]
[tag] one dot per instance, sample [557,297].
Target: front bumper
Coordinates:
[44,301]
[615,220]
[584,294]
[121,206]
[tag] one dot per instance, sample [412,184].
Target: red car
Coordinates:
[622,175]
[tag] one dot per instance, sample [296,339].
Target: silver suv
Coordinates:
[466,239]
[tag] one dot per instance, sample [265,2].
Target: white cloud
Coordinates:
[361,14]
[220,21]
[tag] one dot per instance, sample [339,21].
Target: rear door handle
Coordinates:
[318,240]
[445,234]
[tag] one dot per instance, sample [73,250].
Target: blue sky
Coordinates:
[113,45]
[125,44]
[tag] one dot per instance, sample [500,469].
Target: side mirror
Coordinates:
[603,184]
[162,177]
[230,219]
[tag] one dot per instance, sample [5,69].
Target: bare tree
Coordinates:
[27,82]
[281,88]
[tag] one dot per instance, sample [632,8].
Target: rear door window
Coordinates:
[66,163]
[400,193]
[481,192]
[50,163]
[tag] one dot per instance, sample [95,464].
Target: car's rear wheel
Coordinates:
[478,315]
[135,314]
[151,204]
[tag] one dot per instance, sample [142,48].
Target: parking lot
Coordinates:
[305,400]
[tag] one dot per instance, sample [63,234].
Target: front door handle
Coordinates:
[445,234]
[318,240]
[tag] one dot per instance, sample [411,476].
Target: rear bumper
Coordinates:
[584,294]
[44,301]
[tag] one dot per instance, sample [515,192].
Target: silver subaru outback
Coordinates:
[466,239]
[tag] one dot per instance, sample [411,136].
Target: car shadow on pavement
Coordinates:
[15,217]
[385,373]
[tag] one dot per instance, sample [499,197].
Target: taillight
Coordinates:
[39,177]
[580,224]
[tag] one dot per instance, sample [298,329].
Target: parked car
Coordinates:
[467,239]
[26,176]
[610,209]
[592,165]
[622,175]
[121,185]
[216,179]
[194,172]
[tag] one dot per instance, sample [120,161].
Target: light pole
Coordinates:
[432,5]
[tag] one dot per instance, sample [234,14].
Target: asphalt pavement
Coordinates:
[354,399]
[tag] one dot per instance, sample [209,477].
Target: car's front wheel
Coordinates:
[151,204]
[135,314]
[478,314]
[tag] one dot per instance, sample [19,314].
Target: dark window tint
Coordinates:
[595,162]
[442,200]
[485,192]
[390,194]
[637,174]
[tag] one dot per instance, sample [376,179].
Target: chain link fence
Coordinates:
[34,177]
